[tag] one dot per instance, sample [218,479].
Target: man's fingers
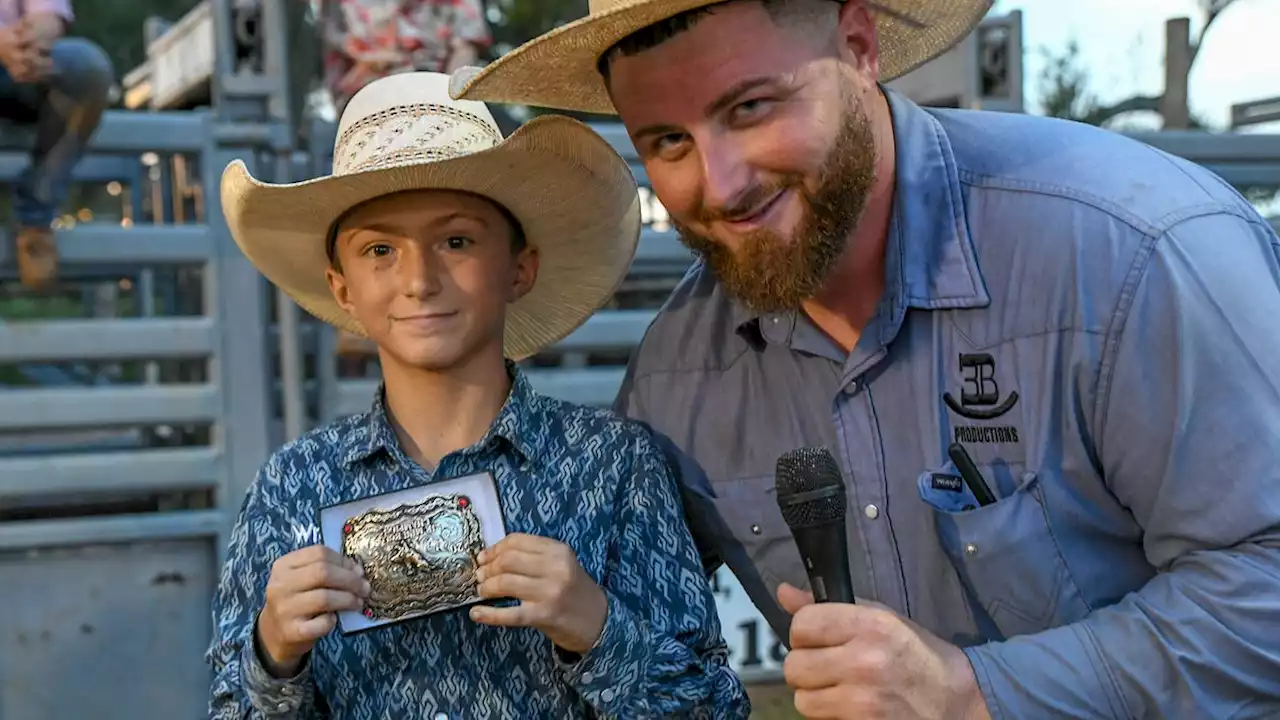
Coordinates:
[522,615]
[825,704]
[511,585]
[813,669]
[827,624]
[792,598]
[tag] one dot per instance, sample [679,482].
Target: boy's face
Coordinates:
[429,274]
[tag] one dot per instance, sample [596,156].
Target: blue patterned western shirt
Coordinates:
[581,476]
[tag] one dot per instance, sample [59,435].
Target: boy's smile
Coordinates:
[429,274]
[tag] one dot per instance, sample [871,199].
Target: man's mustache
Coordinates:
[748,202]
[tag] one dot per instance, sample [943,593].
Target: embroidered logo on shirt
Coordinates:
[943,481]
[980,400]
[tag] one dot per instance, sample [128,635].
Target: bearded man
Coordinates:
[1089,320]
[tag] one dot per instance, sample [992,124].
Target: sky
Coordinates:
[1122,45]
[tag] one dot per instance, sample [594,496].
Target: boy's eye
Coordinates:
[457,242]
[378,250]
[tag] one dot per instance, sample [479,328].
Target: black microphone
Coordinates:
[812,500]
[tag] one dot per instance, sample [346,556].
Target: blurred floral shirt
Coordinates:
[368,39]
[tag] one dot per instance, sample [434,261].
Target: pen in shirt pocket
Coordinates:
[970,475]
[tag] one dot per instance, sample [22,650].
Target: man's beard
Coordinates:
[771,273]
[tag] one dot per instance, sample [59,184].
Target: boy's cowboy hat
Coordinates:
[574,197]
[558,69]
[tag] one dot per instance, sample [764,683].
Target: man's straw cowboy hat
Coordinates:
[573,195]
[558,69]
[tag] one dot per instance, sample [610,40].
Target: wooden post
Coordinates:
[1177,70]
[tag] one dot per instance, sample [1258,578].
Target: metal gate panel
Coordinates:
[107,613]
[106,631]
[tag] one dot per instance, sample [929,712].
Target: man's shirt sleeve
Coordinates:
[1188,437]
[242,689]
[661,653]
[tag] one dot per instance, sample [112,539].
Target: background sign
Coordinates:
[754,651]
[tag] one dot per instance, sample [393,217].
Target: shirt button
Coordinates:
[442,716]
[755,529]
[970,549]
[871,511]
[282,707]
[588,677]
[607,695]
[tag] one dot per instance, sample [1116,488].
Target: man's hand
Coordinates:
[24,61]
[864,661]
[306,589]
[556,595]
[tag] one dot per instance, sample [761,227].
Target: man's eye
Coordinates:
[750,109]
[457,242]
[670,144]
[378,250]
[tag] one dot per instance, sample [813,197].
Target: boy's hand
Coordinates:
[306,589]
[556,595]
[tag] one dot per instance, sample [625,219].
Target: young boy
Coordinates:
[428,239]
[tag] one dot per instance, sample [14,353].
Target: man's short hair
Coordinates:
[663,30]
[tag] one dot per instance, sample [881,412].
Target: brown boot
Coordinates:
[37,257]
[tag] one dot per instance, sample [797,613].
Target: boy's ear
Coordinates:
[525,275]
[341,294]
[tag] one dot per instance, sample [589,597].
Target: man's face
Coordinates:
[754,139]
[429,274]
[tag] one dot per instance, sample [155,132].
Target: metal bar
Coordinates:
[610,329]
[103,244]
[1257,112]
[224,53]
[123,131]
[76,407]
[92,169]
[1203,147]
[106,339]
[271,135]
[236,295]
[1261,174]
[586,386]
[31,534]
[146,470]
[660,251]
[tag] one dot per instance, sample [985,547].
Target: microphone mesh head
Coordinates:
[807,470]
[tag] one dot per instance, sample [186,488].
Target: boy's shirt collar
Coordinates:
[517,423]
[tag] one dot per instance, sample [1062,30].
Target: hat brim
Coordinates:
[575,198]
[558,69]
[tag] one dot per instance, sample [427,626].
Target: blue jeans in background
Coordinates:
[64,109]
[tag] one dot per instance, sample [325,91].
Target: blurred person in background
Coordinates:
[59,86]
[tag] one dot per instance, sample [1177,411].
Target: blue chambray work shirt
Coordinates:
[581,476]
[1098,323]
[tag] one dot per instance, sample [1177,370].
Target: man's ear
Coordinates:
[859,37]
[525,273]
[341,294]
